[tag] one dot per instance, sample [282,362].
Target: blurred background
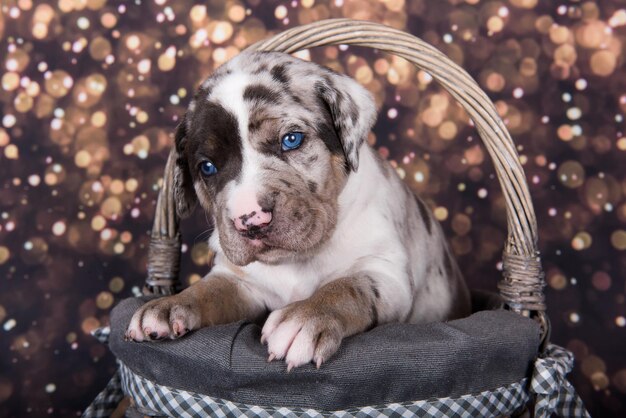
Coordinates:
[92,89]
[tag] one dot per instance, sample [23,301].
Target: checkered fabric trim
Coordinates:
[554,394]
[161,400]
[107,400]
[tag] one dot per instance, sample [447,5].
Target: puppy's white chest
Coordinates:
[281,285]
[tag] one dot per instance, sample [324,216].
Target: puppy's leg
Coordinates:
[312,329]
[211,301]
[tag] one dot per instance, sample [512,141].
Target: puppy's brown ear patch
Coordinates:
[184,193]
[352,109]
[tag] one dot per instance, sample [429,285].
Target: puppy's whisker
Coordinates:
[203,235]
[208,231]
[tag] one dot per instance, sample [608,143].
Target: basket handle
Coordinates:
[165,240]
[523,280]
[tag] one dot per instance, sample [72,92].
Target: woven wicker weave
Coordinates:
[522,284]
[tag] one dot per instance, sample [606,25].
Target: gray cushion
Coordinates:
[390,363]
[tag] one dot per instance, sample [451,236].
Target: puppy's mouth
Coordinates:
[256,236]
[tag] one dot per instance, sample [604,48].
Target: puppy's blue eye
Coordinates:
[292,140]
[207,168]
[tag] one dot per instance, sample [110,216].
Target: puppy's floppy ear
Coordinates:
[352,109]
[184,192]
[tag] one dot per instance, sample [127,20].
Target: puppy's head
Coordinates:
[266,146]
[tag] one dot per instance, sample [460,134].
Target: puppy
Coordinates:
[311,225]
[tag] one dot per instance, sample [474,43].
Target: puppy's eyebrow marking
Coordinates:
[271,148]
[254,125]
[257,92]
[257,122]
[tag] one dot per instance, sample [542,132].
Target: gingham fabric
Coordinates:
[553,392]
[102,334]
[107,400]
[550,390]
[160,400]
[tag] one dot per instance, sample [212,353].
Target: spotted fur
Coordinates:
[325,238]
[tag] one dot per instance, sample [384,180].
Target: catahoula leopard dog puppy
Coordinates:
[311,225]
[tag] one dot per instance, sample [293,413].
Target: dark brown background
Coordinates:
[90,93]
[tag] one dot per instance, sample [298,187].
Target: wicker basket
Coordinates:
[521,286]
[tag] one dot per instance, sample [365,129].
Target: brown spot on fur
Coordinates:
[312,186]
[260,69]
[297,100]
[279,74]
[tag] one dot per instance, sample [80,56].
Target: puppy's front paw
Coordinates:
[167,317]
[300,334]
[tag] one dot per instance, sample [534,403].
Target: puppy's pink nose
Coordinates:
[253,220]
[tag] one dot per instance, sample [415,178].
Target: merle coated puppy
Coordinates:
[311,225]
